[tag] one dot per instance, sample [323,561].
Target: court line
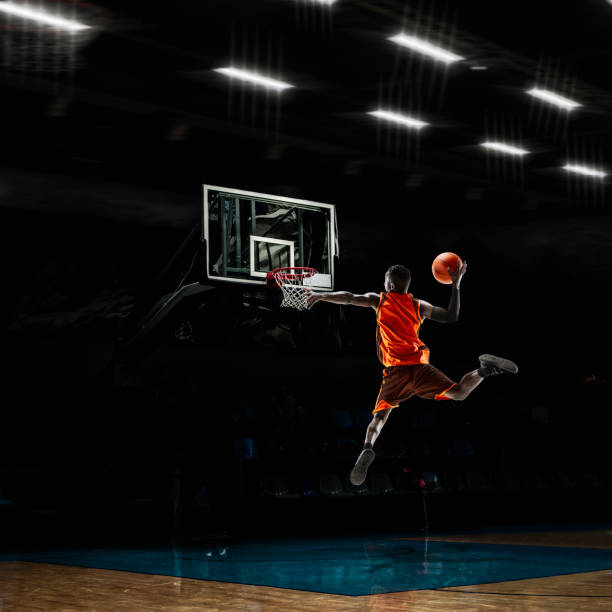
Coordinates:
[450,590]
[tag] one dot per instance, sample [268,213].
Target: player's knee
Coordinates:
[378,420]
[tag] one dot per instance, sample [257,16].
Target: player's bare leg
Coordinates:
[376,424]
[490,365]
[360,470]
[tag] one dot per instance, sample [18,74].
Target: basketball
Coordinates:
[441,264]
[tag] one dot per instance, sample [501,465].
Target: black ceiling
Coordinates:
[141,104]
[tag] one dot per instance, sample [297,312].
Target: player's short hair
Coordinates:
[400,275]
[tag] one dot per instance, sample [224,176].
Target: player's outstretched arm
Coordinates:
[450,314]
[343,297]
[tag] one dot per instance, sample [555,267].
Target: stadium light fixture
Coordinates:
[585,170]
[502,147]
[253,77]
[399,118]
[25,12]
[426,48]
[553,98]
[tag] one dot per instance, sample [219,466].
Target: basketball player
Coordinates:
[405,358]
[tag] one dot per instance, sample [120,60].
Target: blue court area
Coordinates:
[348,566]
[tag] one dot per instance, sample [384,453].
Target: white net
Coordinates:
[291,282]
[294,296]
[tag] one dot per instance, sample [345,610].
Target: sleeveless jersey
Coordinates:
[398,322]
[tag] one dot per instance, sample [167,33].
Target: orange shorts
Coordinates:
[402,382]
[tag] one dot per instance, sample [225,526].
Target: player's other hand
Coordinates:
[457,275]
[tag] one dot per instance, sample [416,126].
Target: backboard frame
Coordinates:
[323,282]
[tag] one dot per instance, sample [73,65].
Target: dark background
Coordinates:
[232,417]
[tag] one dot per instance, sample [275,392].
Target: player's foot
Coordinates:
[360,471]
[490,365]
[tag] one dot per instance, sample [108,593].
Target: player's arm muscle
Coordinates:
[442,315]
[344,297]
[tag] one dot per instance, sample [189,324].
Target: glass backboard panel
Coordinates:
[248,234]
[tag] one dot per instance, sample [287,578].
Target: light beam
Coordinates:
[426,48]
[553,98]
[253,77]
[585,170]
[502,147]
[26,12]
[399,118]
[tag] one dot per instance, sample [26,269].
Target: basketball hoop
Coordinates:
[291,282]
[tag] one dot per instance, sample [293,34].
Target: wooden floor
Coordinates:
[43,587]
[576,539]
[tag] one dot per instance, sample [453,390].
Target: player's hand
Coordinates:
[457,275]
[312,298]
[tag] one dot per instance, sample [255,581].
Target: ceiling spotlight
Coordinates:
[503,148]
[398,118]
[552,98]
[478,68]
[426,48]
[253,77]
[585,170]
[25,12]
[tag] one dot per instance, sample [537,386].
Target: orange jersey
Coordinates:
[397,339]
